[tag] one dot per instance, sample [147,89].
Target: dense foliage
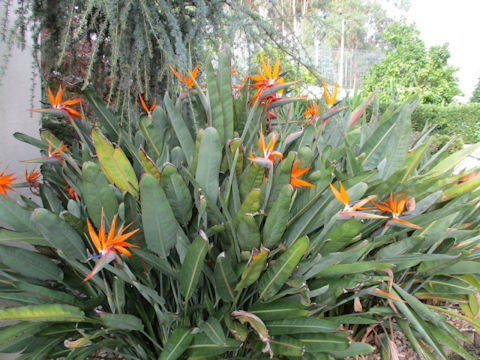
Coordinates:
[409,68]
[256,228]
[476,94]
[461,120]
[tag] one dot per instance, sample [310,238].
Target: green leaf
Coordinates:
[29,263]
[181,130]
[213,329]
[157,262]
[121,321]
[148,164]
[98,194]
[281,177]
[323,342]
[277,274]
[278,310]
[115,164]
[30,238]
[225,278]
[359,267]
[277,218]
[192,266]
[177,193]
[301,325]
[254,268]
[159,224]
[59,234]
[209,161]
[50,312]
[108,120]
[49,295]
[340,236]
[287,346]
[355,348]
[202,347]
[154,139]
[390,141]
[252,179]
[13,334]
[176,344]
[15,216]
[248,233]
[450,162]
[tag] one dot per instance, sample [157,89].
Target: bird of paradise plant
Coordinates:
[55,153]
[330,99]
[395,205]
[61,108]
[148,110]
[187,80]
[312,110]
[5,181]
[266,79]
[269,155]
[356,209]
[295,173]
[109,246]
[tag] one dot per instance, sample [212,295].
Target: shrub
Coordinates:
[245,242]
[453,120]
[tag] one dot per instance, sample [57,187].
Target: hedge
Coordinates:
[456,119]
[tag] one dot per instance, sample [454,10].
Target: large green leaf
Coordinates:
[108,120]
[248,233]
[122,321]
[192,266]
[15,216]
[50,312]
[277,218]
[301,325]
[225,278]
[390,141]
[287,346]
[159,224]
[97,194]
[323,342]
[59,234]
[278,310]
[277,274]
[203,347]
[26,237]
[115,164]
[178,194]
[180,128]
[176,344]
[213,329]
[209,161]
[30,263]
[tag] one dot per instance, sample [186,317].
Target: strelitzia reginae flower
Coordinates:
[312,110]
[295,173]
[330,99]
[187,80]
[267,78]
[109,246]
[269,155]
[147,109]
[355,209]
[395,205]
[5,181]
[61,108]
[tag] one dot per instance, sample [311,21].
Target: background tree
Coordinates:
[410,68]
[476,93]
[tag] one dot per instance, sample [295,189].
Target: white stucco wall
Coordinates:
[15,99]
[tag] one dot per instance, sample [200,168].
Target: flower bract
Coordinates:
[5,181]
[295,173]
[108,245]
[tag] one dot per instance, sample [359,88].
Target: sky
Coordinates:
[457,23]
